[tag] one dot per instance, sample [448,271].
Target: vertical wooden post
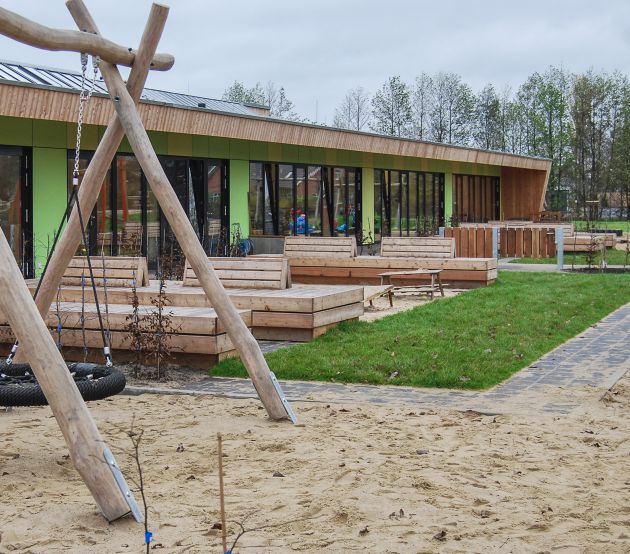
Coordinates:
[82,437]
[238,332]
[100,163]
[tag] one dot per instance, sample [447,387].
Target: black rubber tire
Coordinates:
[18,386]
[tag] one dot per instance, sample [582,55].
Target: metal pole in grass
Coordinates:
[441,231]
[560,247]
[495,242]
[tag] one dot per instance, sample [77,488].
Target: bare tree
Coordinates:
[452,110]
[354,111]
[422,99]
[391,109]
[487,121]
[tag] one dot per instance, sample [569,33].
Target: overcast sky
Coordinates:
[319,49]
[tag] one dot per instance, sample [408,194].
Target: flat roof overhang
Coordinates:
[53,104]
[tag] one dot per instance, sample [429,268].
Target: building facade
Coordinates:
[231,165]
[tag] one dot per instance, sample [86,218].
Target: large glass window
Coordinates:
[135,225]
[409,203]
[15,205]
[476,198]
[286,213]
[129,227]
[287,199]
[394,195]
[99,236]
[315,203]
[378,204]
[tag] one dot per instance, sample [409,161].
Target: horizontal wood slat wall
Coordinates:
[18,100]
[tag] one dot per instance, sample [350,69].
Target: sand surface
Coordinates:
[350,478]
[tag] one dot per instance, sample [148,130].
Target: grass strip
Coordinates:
[471,341]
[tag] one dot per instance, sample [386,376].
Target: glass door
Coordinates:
[15,206]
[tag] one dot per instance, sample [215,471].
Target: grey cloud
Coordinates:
[320,49]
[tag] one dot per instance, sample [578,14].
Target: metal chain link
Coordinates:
[84,97]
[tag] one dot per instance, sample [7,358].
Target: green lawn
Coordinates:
[614,257]
[623,224]
[471,341]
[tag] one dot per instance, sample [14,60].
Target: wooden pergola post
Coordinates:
[82,437]
[238,332]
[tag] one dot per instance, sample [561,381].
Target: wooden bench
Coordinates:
[583,242]
[320,247]
[418,247]
[252,273]
[118,271]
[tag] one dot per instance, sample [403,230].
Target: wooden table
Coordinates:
[436,282]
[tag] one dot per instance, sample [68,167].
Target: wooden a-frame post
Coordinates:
[238,332]
[86,446]
[130,121]
[82,437]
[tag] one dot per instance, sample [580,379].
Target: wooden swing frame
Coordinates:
[27,316]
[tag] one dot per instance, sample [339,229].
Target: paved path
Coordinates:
[585,366]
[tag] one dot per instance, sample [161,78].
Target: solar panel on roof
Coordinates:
[48,77]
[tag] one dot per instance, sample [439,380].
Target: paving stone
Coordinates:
[596,358]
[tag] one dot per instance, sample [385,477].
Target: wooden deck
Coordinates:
[299,313]
[197,336]
[365,270]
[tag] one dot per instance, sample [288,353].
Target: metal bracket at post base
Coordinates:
[283,398]
[122,485]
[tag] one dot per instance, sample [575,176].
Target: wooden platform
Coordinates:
[299,313]
[365,270]
[197,336]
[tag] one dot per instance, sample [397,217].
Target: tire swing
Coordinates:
[18,384]
[19,387]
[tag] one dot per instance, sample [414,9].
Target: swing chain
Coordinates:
[84,97]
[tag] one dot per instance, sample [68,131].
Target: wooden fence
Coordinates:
[471,242]
[527,243]
[476,242]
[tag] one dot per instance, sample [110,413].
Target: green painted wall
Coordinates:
[239,191]
[15,131]
[448,198]
[50,140]
[49,198]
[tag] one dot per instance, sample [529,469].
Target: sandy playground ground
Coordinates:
[348,478]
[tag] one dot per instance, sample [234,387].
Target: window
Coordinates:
[15,205]
[408,203]
[135,226]
[292,199]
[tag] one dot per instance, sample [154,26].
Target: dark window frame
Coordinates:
[423,180]
[325,183]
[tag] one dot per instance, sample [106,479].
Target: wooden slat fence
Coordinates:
[471,242]
[519,242]
[527,243]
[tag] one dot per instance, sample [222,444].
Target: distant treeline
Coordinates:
[579,121]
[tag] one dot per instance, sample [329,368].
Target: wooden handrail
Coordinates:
[34,34]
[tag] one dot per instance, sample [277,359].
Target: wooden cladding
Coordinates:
[49,104]
[523,192]
[476,198]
